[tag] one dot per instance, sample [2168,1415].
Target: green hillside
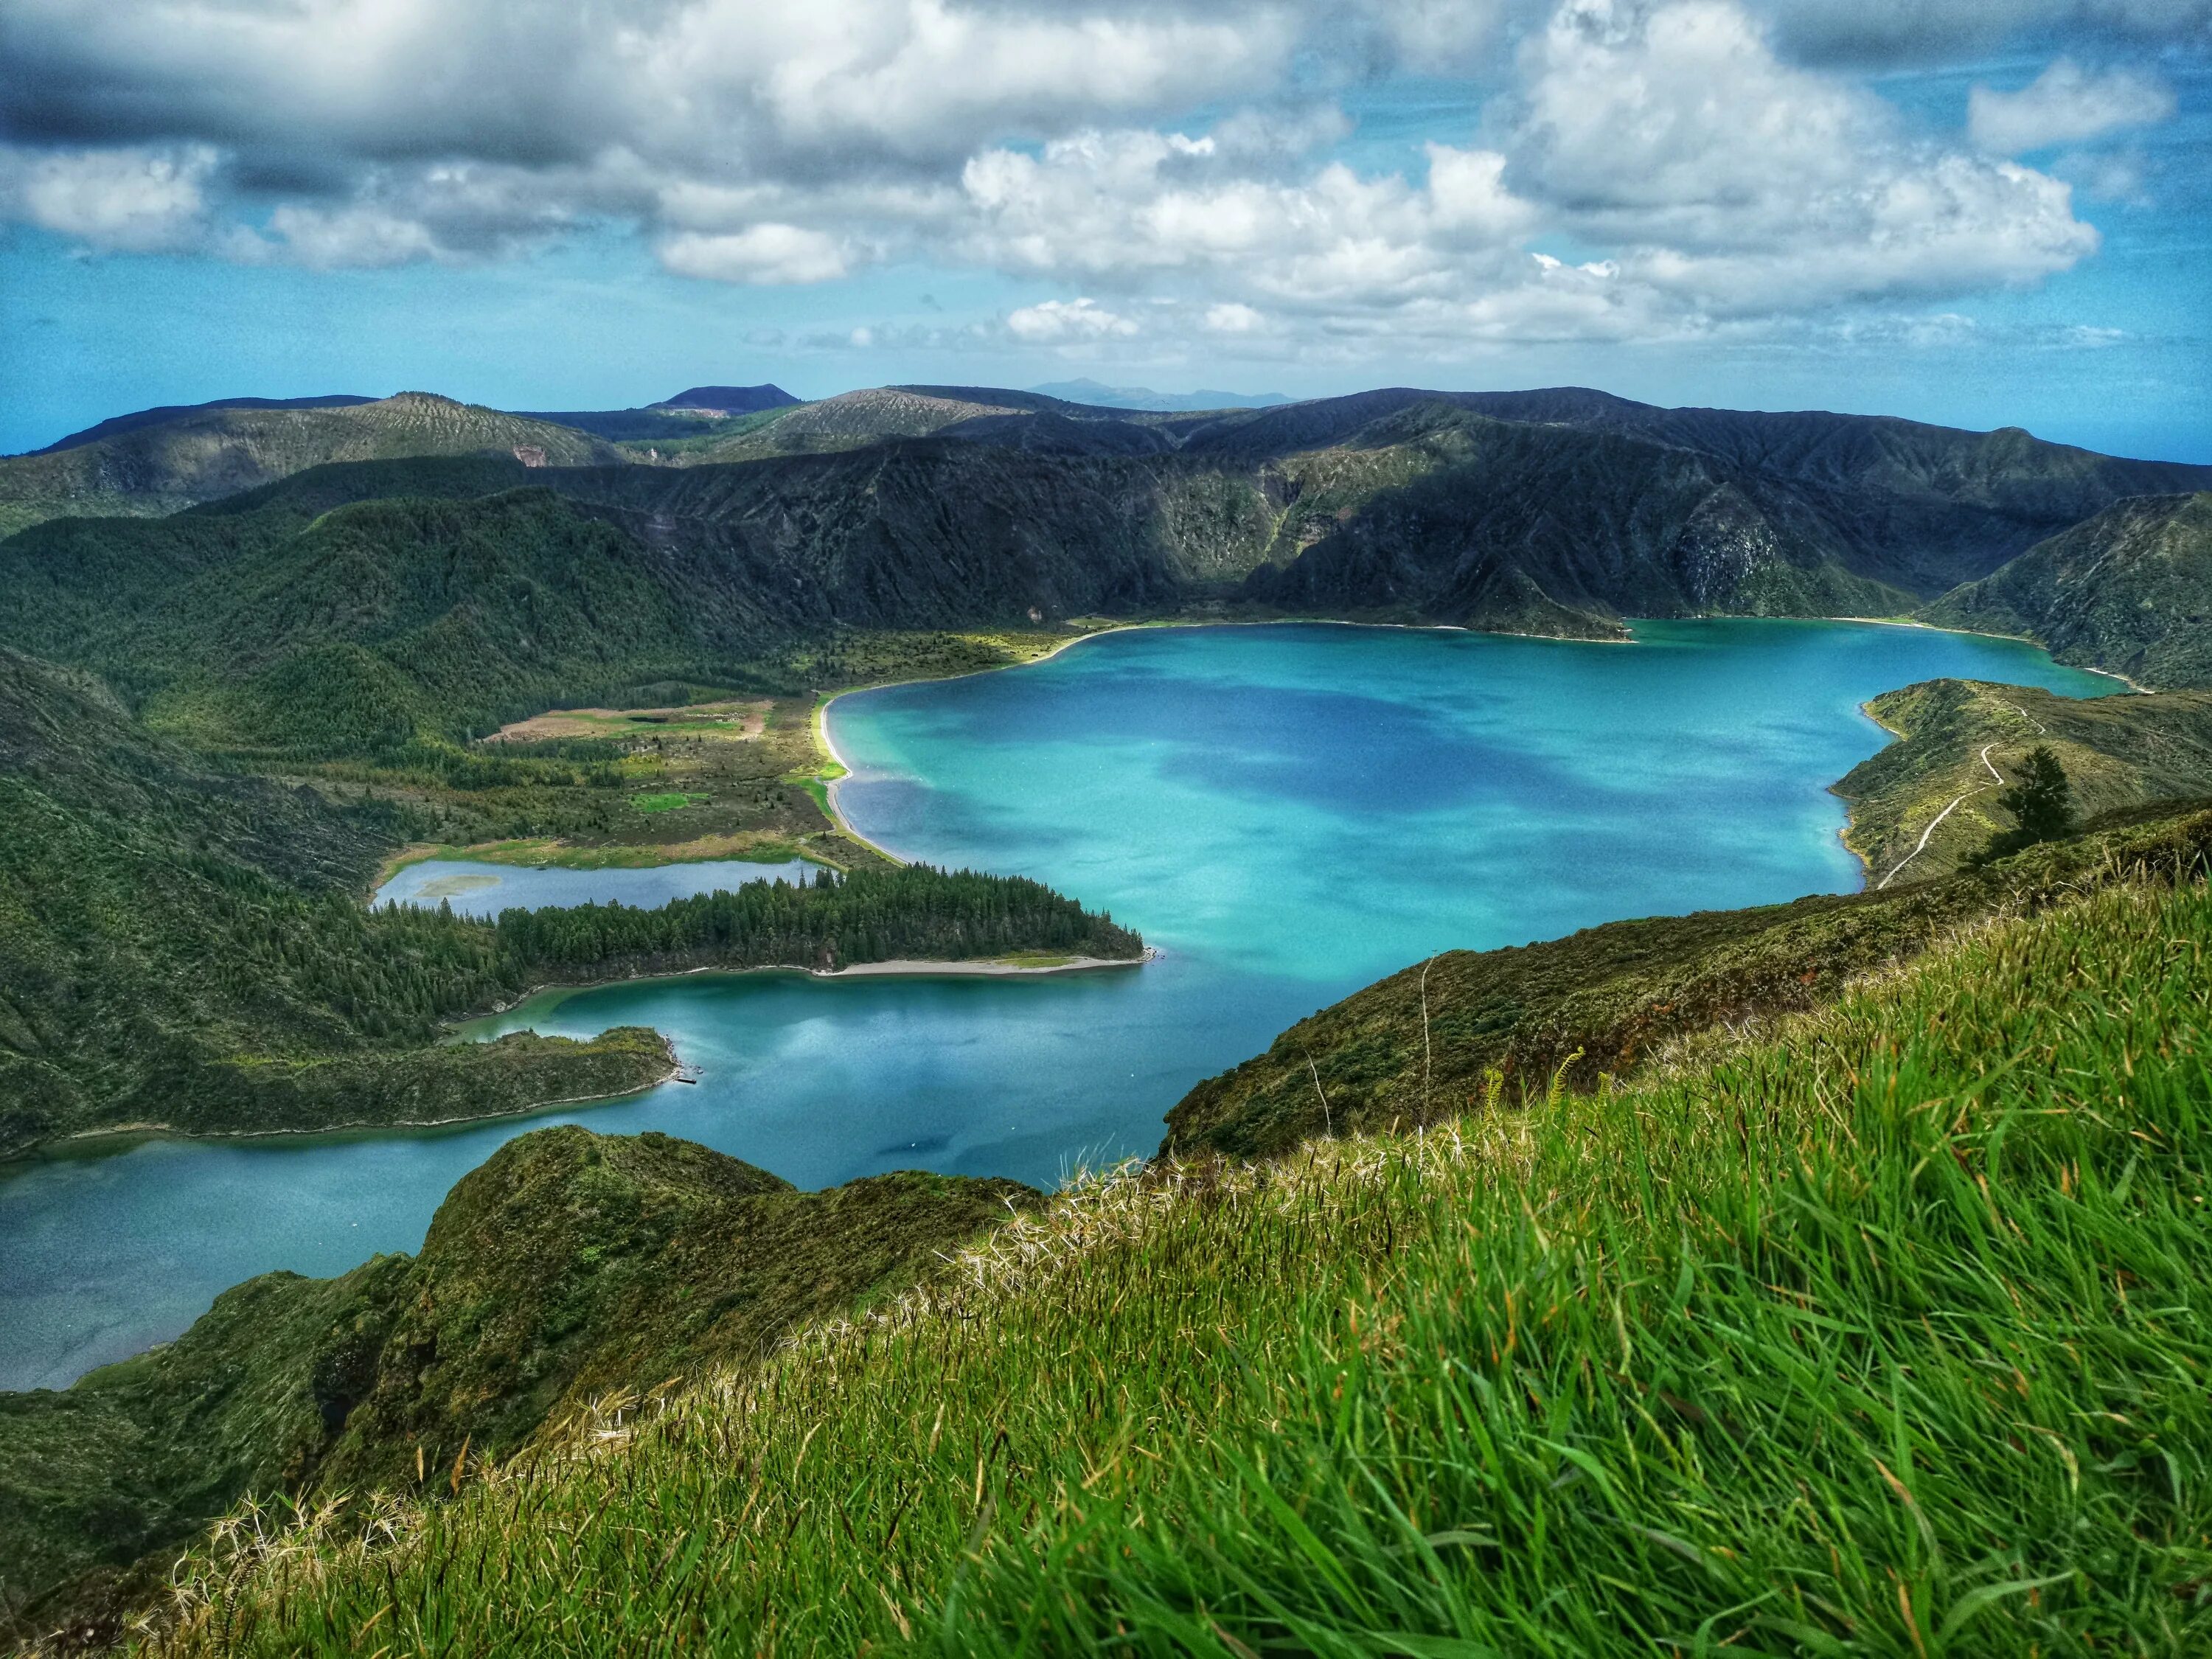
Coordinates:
[1468,1027]
[1936,788]
[1871,1331]
[2128,591]
[214,451]
[905,509]
[568,1271]
[187,947]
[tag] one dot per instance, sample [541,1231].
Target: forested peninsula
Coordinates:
[185,947]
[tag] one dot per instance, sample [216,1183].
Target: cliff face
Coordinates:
[2129,590]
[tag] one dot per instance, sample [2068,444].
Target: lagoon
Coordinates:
[475,888]
[1288,812]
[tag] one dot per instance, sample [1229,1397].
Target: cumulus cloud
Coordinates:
[1644,168]
[1066,320]
[760,253]
[2064,104]
[129,200]
[1736,180]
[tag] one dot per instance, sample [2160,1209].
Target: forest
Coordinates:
[914,912]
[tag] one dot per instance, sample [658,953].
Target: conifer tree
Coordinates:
[2041,802]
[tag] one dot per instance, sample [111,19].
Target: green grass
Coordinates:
[2119,753]
[668,801]
[1878,1335]
[568,1267]
[1425,1041]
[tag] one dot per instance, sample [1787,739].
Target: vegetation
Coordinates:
[1922,805]
[2041,804]
[1873,1332]
[569,1269]
[184,946]
[1429,1042]
[2127,591]
[911,913]
[218,450]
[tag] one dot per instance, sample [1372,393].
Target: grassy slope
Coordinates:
[1876,1334]
[568,1268]
[2117,752]
[218,452]
[1610,998]
[2129,591]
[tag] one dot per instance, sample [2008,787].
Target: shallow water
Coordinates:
[1289,812]
[474,888]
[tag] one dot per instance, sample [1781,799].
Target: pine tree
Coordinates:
[2041,802]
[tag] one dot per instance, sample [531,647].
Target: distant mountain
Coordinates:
[1556,511]
[632,425]
[116,425]
[212,453]
[729,399]
[1099,395]
[2129,591]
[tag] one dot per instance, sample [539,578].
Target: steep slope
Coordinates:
[570,1267]
[1874,1333]
[452,615]
[2129,591]
[1434,512]
[1935,789]
[1472,1030]
[220,451]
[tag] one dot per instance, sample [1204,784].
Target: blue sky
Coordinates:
[1997,218]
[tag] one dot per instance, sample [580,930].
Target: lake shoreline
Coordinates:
[898,968]
[827,742]
[170,1131]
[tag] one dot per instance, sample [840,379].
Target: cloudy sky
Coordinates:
[1982,212]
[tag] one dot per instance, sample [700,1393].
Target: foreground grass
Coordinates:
[1879,1334]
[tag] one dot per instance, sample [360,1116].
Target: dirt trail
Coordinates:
[1944,813]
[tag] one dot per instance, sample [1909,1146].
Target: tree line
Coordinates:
[828,921]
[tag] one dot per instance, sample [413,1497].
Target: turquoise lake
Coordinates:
[1288,812]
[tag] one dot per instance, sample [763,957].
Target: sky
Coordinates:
[1982,213]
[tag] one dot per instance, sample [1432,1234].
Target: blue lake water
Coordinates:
[1289,812]
[473,888]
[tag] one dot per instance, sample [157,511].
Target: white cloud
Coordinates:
[356,235]
[1646,169]
[1069,319]
[762,253]
[1741,184]
[2064,105]
[113,201]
